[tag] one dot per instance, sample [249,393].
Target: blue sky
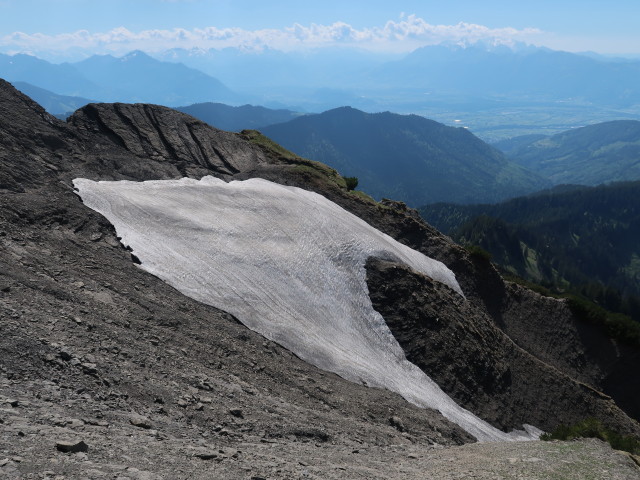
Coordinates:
[80,27]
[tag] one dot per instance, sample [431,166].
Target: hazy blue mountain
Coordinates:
[145,79]
[136,77]
[63,79]
[235,119]
[497,92]
[591,155]
[59,105]
[538,74]
[265,69]
[406,157]
[513,144]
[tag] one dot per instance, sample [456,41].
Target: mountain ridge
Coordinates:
[405,157]
[592,155]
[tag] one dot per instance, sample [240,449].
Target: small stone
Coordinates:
[95,237]
[5,288]
[236,412]
[207,455]
[72,447]
[97,423]
[13,403]
[65,355]
[3,462]
[89,368]
[75,423]
[397,423]
[140,421]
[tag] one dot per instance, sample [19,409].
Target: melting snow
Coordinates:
[286,262]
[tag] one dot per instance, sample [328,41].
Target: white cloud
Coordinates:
[405,34]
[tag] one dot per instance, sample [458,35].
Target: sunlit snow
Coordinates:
[287,263]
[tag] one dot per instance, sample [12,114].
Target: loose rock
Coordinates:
[72,447]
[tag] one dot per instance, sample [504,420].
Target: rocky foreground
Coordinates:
[107,372]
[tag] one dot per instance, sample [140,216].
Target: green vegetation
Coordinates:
[406,157]
[258,138]
[478,253]
[364,196]
[592,155]
[352,182]
[578,243]
[593,428]
[578,240]
[616,325]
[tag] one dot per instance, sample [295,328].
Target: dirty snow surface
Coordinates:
[286,262]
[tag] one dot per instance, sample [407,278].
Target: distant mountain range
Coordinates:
[533,74]
[497,92]
[136,77]
[577,238]
[146,79]
[406,157]
[605,152]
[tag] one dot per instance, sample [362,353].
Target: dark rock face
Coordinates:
[546,328]
[474,361]
[75,309]
[165,135]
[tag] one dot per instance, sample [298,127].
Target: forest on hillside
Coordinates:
[581,240]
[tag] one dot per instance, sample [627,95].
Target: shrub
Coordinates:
[593,428]
[478,253]
[352,182]
[616,325]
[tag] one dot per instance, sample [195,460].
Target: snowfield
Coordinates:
[287,263]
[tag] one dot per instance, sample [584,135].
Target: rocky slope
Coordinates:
[157,385]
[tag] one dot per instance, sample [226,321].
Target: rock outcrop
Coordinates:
[475,362]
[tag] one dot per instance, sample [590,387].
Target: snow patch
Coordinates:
[289,264]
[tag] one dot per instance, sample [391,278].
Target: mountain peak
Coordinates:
[137,54]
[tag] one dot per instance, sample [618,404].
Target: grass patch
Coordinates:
[593,428]
[364,196]
[259,139]
[478,253]
[536,287]
[616,325]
